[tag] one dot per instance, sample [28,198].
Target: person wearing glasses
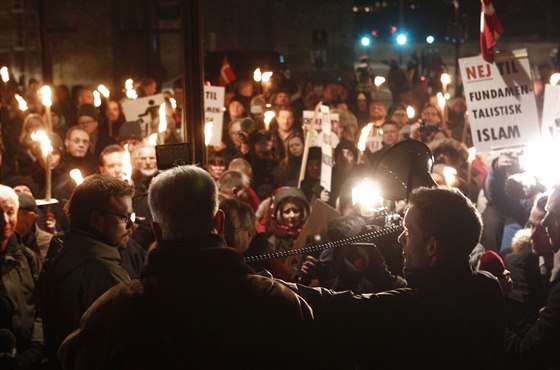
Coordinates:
[89,263]
[76,152]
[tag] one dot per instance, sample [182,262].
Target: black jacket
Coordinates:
[448,318]
[539,347]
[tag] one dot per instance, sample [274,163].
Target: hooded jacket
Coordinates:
[83,270]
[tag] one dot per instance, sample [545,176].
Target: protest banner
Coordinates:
[551,112]
[213,111]
[140,109]
[500,99]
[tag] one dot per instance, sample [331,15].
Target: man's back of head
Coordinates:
[183,201]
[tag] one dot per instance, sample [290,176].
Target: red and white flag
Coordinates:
[490,30]
[226,74]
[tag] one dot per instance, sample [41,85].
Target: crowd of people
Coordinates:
[143,268]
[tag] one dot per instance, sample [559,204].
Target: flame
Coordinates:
[266,76]
[46,96]
[173,103]
[4,73]
[129,84]
[378,80]
[268,116]
[410,112]
[127,165]
[554,78]
[364,135]
[450,175]
[162,127]
[152,139]
[472,154]
[440,101]
[41,136]
[22,103]
[76,175]
[104,91]
[208,132]
[445,79]
[257,75]
[96,99]
[131,94]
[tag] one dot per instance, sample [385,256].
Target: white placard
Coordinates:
[139,109]
[551,112]
[213,104]
[500,99]
[326,149]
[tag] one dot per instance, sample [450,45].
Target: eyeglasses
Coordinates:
[122,217]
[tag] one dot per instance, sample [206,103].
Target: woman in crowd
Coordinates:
[290,211]
[287,172]
[29,150]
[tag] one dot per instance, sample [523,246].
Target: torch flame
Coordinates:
[445,79]
[472,154]
[46,96]
[129,84]
[268,116]
[364,135]
[152,139]
[22,103]
[76,175]
[4,73]
[173,103]
[96,99]
[104,91]
[127,165]
[131,94]
[554,78]
[41,136]
[162,127]
[208,132]
[440,101]
[257,75]
[410,112]
[450,175]
[378,80]
[266,76]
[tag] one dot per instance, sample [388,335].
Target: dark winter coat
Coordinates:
[197,306]
[448,318]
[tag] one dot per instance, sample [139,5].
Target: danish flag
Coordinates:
[490,30]
[226,74]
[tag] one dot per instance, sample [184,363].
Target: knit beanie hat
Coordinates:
[492,262]
[87,110]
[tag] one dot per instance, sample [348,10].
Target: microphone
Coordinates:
[7,344]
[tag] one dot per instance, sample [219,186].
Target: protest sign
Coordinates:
[140,109]
[500,99]
[326,149]
[551,112]
[213,112]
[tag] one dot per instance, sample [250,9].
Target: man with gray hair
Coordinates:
[197,304]
[20,268]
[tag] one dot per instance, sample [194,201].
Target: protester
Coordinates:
[448,317]
[537,347]
[20,268]
[197,303]
[88,262]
